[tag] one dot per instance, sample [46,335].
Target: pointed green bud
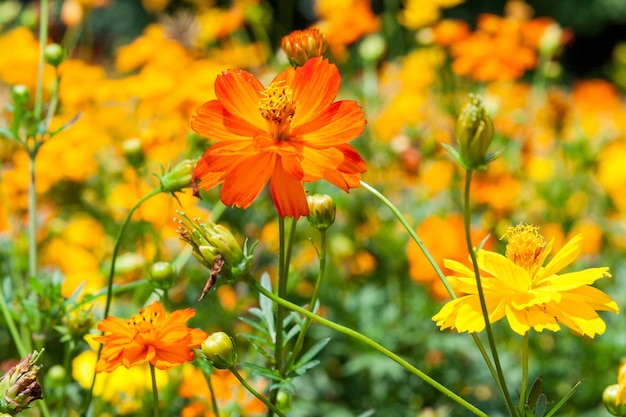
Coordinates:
[178,177]
[474,132]
[219,349]
[321,211]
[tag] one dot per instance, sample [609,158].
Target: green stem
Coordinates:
[430,259]
[413,235]
[43,38]
[282,293]
[255,392]
[15,334]
[284,257]
[366,340]
[118,241]
[524,388]
[116,247]
[32,218]
[500,380]
[155,391]
[307,321]
[216,410]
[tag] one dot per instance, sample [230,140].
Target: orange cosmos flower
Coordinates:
[288,133]
[150,336]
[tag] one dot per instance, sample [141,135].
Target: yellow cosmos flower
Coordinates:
[529,294]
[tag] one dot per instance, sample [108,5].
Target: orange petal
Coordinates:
[246,180]
[315,86]
[288,194]
[316,162]
[240,92]
[214,122]
[342,122]
[292,166]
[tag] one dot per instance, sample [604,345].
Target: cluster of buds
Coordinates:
[474,132]
[19,386]
[216,248]
[302,45]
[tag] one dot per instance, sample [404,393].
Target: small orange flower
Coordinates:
[288,133]
[150,336]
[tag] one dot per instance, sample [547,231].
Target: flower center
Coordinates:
[278,107]
[143,322]
[525,246]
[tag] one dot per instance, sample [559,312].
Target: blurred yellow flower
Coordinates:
[417,14]
[19,60]
[529,294]
[123,388]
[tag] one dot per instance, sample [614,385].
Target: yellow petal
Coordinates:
[563,257]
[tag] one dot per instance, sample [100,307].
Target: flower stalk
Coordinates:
[366,340]
[500,380]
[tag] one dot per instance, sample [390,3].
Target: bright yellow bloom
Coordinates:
[150,336]
[529,294]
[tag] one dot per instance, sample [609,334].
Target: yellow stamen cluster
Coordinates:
[144,321]
[525,245]
[278,107]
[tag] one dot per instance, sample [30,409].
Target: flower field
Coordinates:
[311,208]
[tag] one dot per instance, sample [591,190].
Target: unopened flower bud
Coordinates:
[178,177]
[208,240]
[20,94]
[162,274]
[133,152]
[474,132]
[372,47]
[54,54]
[610,401]
[19,386]
[79,322]
[283,401]
[321,211]
[219,348]
[301,45]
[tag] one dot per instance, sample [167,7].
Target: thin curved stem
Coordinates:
[366,340]
[500,380]
[254,392]
[116,248]
[412,233]
[432,262]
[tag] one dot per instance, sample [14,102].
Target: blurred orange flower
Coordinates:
[227,390]
[149,336]
[500,49]
[344,22]
[443,236]
[288,133]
